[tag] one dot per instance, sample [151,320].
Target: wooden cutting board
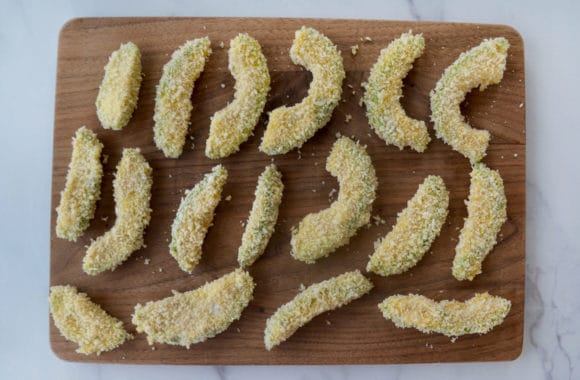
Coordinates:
[357,333]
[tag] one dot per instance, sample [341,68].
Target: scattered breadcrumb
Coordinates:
[348,118]
[378,220]
[354,50]
[331,194]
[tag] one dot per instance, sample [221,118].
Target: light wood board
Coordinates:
[356,333]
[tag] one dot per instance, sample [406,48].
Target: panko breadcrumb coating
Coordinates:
[478,315]
[486,213]
[319,234]
[173,101]
[194,218]
[197,315]
[481,66]
[314,300]
[132,193]
[417,227]
[384,89]
[83,186]
[263,216]
[290,127]
[233,124]
[119,90]
[83,322]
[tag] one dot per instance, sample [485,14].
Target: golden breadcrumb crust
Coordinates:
[173,100]
[132,193]
[384,90]
[83,322]
[263,216]
[481,66]
[319,234]
[119,90]
[486,213]
[194,217]
[194,316]
[82,190]
[478,315]
[314,300]
[233,124]
[417,227]
[290,127]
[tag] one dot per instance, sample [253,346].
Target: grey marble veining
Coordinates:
[28,46]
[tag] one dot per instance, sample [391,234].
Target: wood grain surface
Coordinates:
[356,333]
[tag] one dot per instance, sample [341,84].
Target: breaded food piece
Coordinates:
[478,315]
[321,233]
[194,216]
[197,315]
[314,300]
[263,216]
[132,193]
[233,124]
[85,323]
[119,90]
[82,190]
[417,227]
[486,213]
[290,127]
[384,90]
[173,101]
[481,66]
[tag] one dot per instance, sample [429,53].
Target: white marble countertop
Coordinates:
[28,46]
